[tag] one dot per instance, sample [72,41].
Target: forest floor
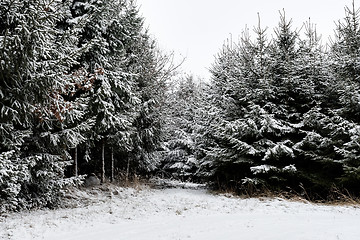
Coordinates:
[184,212]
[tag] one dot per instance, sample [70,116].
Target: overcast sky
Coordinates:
[196,29]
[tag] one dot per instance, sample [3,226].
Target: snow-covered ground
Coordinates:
[115,213]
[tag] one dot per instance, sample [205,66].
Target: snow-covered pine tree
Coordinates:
[301,156]
[315,168]
[290,98]
[36,58]
[178,158]
[112,100]
[149,69]
[345,66]
[205,120]
[126,97]
[240,126]
[266,95]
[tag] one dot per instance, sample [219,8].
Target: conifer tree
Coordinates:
[111,102]
[179,153]
[147,65]
[345,55]
[267,97]
[36,58]
[130,74]
[240,79]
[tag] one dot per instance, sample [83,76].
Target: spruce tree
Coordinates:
[179,132]
[268,101]
[129,74]
[240,88]
[112,98]
[36,58]
[147,65]
[345,55]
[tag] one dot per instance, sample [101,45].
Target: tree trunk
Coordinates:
[112,164]
[76,162]
[103,161]
[128,170]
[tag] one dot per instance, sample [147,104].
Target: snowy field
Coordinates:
[115,213]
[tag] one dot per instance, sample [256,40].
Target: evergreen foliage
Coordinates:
[73,76]
[345,55]
[84,89]
[36,56]
[285,114]
[178,156]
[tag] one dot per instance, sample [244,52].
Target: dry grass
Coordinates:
[336,197]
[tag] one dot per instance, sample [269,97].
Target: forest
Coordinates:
[85,90]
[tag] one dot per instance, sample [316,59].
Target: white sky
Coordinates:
[197,29]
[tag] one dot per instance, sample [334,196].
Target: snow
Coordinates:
[262,169]
[111,213]
[290,168]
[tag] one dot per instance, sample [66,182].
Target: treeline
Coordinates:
[282,113]
[84,90]
[81,86]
